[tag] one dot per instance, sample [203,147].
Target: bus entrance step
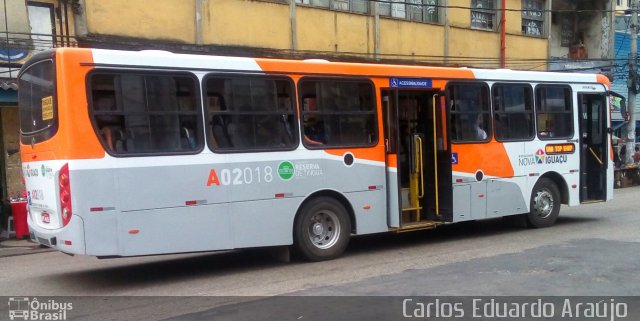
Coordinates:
[415,226]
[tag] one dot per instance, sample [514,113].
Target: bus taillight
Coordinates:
[65,194]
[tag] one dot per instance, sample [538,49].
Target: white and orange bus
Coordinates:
[139,153]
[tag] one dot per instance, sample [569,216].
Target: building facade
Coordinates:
[26,27]
[456,32]
[515,34]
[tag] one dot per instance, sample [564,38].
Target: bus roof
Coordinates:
[167,60]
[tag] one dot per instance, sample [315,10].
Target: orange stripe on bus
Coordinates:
[75,138]
[392,160]
[604,80]
[491,158]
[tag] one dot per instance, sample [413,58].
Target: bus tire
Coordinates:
[545,204]
[321,229]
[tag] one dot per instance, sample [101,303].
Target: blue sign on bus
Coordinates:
[410,83]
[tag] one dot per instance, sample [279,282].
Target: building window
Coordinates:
[423,10]
[137,114]
[415,10]
[553,112]
[250,113]
[360,6]
[396,10]
[470,113]
[513,112]
[338,113]
[533,17]
[483,14]
[42,23]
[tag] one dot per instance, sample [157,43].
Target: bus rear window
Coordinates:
[38,114]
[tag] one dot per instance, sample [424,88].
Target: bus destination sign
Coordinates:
[558,149]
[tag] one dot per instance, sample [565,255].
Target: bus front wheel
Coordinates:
[321,229]
[545,204]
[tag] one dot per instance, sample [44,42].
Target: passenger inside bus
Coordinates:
[109,126]
[478,132]
[314,134]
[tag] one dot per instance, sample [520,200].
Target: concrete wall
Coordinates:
[11,141]
[17,19]
[256,24]
[172,20]
[334,31]
[244,23]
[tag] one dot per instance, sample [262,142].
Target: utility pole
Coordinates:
[633,77]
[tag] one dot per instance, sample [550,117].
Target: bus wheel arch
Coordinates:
[545,203]
[322,226]
[560,183]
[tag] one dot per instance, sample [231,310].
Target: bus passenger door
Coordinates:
[418,158]
[594,157]
[389,100]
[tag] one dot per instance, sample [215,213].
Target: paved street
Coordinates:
[592,250]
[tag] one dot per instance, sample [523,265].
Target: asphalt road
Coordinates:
[592,250]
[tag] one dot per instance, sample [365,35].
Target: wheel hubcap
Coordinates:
[324,229]
[318,229]
[543,203]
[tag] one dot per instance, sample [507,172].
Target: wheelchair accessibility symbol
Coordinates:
[454,158]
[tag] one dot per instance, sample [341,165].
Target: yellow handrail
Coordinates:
[420,165]
[596,156]
[435,154]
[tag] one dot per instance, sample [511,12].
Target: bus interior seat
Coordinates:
[187,138]
[220,131]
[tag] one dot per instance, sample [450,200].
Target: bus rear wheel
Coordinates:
[545,204]
[321,229]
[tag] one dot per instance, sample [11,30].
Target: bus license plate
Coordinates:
[46,218]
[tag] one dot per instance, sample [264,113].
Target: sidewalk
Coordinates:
[15,247]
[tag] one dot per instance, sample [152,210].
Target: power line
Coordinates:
[437,5]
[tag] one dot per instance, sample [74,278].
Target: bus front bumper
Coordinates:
[68,239]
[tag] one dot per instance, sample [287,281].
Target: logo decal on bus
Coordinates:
[31,172]
[541,158]
[240,176]
[286,170]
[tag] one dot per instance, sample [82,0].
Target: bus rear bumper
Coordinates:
[69,239]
